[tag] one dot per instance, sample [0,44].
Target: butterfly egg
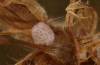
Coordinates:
[42,34]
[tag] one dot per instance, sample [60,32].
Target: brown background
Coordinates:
[55,8]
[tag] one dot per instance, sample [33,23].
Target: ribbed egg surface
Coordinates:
[42,34]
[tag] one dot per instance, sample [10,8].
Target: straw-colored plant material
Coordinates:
[68,43]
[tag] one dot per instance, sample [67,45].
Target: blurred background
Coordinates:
[10,54]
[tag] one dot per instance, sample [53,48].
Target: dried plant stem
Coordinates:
[92,44]
[90,47]
[28,57]
[89,36]
[77,48]
[75,44]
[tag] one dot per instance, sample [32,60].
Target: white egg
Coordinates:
[42,34]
